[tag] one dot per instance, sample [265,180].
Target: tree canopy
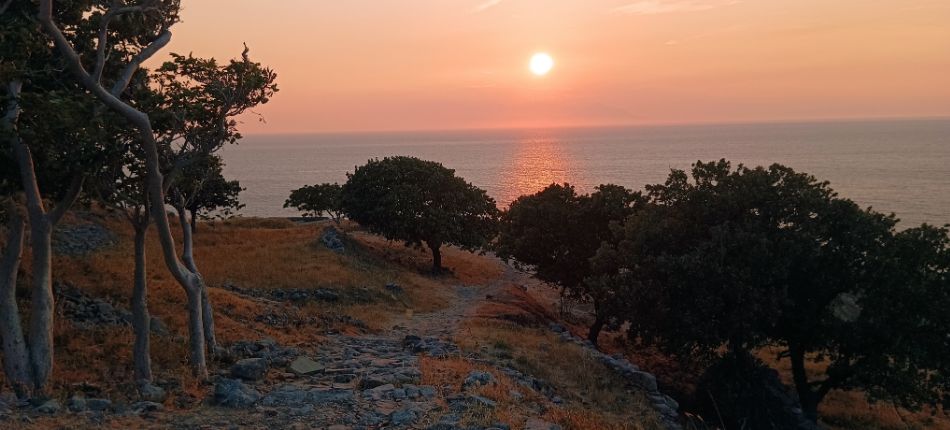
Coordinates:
[556,231]
[419,202]
[750,257]
[316,200]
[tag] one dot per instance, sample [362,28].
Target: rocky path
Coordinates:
[352,382]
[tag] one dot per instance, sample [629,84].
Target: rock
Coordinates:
[146,407]
[402,417]
[325,295]
[249,369]
[152,393]
[644,380]
[305,366]
[50,407]
[477,378]
[331,239]
[232,393]
[76,404]
[98,405]
[539,424]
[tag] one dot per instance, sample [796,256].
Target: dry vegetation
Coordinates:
[264,254]
[254,254]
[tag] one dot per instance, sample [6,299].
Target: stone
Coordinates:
[305,366]
[146,407]
[402,417]
[644,380]
[249,369]
[50,407]
[232,393]
[98,405]
[332,241]
[477,378]
[152,393]
[76,403]
[539,424]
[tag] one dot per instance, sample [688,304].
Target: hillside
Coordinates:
[391,345]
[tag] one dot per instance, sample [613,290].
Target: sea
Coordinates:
[895,166]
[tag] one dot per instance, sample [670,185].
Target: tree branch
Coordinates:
[123,82]
[68,200]
[5,5]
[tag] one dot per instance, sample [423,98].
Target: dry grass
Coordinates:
[593,399]
[851,410]
[251,253]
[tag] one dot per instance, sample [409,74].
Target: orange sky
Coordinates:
[444,64]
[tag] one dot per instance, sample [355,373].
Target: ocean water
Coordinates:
[899,166]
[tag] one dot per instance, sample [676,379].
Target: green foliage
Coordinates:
[768,256]
[209,194]
[419,202]
[556,232]
[315,200]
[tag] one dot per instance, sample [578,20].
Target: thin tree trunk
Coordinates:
[196,332]
[41,301]
[15,357]
[188,256]
[808,399]
[154,178]
[436,256]
[594,333]
[141,354]
[194,222]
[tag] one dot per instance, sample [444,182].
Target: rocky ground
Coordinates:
[364,381]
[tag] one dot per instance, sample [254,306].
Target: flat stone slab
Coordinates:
[305,366]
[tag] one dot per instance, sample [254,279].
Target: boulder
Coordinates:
[477,378]
[232,393]
[249,369]
[331,239]
[644,380]
[50,407]
[305,366]
[151,393]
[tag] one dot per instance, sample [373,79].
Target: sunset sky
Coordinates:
[442,64]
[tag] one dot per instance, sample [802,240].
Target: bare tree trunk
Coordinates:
[15,358]
[141,354]
[196,332]
[806,397]
[188,256]
[194,222]
[41,302]
[154,178]
[435,247]
[594,333]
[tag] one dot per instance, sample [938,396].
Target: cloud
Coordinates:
[654,7]
[486,5]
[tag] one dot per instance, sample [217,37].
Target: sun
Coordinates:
[541,64]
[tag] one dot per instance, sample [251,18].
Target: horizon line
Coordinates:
[658,124]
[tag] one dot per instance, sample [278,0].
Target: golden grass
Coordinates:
[593,398]
[253,254]
[851,410]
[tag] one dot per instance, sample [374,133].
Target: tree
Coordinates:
[44,161]
[209,193]
[420,202]
[557,231]
[316,200]
[748,258]
[147,32]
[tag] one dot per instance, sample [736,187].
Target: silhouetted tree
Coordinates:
[752,257]
[316,200]
[556,232]
[420,202]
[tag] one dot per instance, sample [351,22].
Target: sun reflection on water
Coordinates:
[537,163]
